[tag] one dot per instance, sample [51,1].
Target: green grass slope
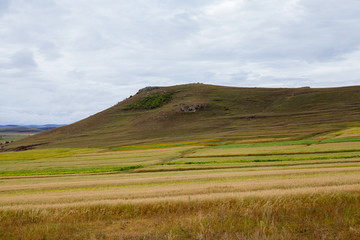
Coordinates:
[200,112]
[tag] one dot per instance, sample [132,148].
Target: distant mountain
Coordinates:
[198,111]
[5,126]
[46,126]
[27,128]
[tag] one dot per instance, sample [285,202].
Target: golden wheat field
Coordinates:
[277,190]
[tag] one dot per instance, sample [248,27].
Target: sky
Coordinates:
[64,60]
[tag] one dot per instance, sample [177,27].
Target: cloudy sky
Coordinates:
[63,60]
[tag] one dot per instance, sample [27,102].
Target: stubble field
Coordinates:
[305,189]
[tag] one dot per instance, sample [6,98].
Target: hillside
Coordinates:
[206,112]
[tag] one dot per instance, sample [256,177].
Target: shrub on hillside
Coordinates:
[151,102]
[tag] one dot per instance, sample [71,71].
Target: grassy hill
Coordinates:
[206,112]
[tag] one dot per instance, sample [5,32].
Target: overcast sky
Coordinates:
[63,60]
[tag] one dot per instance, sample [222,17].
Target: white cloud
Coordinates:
[222,8]
[4,6]
[65,60]
[23,59]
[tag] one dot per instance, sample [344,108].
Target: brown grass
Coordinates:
[301,216]
[235,185]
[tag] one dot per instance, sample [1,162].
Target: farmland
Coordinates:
[214,189]
[11,133]
[10,137]
[192,161]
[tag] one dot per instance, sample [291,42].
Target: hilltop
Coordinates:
[207,112]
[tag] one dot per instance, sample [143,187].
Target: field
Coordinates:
[210,189]
[9,134]
[7,137]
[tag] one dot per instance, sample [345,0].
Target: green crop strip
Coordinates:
[261,160]
[272,154]
[67,171]
[297,142]
[46,153]
[269,144]
[339,140]
[125,148]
